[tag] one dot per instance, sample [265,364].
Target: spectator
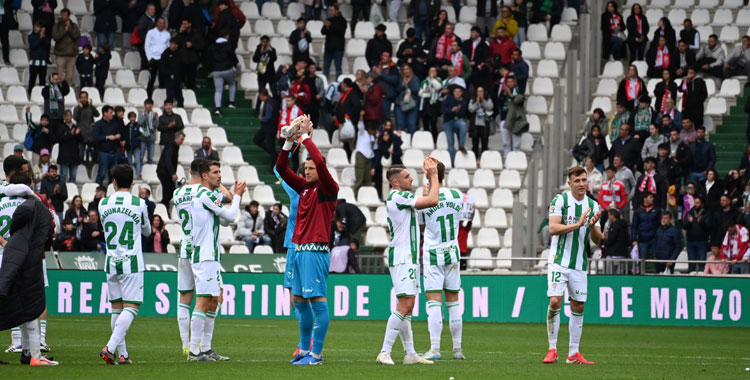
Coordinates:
[43,134]
[266,136]
[688,133]
[39,44]
[520,14]
[289,111]
[265,58]
[733,188]
[334,28]
[85,66]
[453,80]
[107,136]
[148,120]
[665,29]
[690,35]
[503,46]
[350,106]
[339,233]
[170,123]
[356,222]
[158,241]
[520,69]
[274,227]
[613,32]
[627,148]
[157,40]
[366,138]
[642,119]
[146,22]
[615,238]
[40,169]
[666,166]
[206,151]
[170,74]
[166,170]
[710,57]
[300,40]
[513,116]
[667,244]
[631,89]
[480,107]
[92,234]
[650,182]
[76,213]
[68,135]
[625,176]
[250,227]
[704,156]
[388,79]
[667,109]
[645,224]
[713,190]
[224,61]
[65,34]
[599,119]
[378,44]
[99,194]
[697,227]
[619,118]
[722,215]
[131,12]
[131,138]
[694,94]
[300,89]
[506,21]
[593,146]
[407,113]
[661,57]
[145,194]
[594,177]
[226,23]
[734,247]
[191,44]
[549,12]
[54,99]
[455,113]
[421,12]
[387,152]
[637,25]
[686,57]
[393,6]
[84,114]
[738,62]
[66,239]
[54,188]
[430,105]
[102,67]
[718,264]
[612,194]
[105,24]
[441,48]
[437,28]
[373,106]
[44,14]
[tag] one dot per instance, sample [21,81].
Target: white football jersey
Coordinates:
[125,220]
[8,206]
[569,250]
[441,228]
[204,214]
[183,202]
[402,222]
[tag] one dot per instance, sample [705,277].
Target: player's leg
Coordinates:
[131,286]
[186,289]
[433,284]
[393,326]
[452,287]
[211,315]
[31,339]
[43,332]
[207,278]
[114,294]
[15,340]
[556,282]
[302,306]
[315,279]
[405,307]
[577,288]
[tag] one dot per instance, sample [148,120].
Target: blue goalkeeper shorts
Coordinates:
[311,276]
[291,271]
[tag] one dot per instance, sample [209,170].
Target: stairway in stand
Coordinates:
[729,139]
[240,126]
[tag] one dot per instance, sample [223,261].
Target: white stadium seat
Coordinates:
[700,17]
[480,198]
[381,216]
[743,17]
[218,136]
[729,34]
[531,50]
[376,237]
[543,87]
[368,196]
[185,155]
[508,238]
[516,161]
[295,10]
[465,160]
[201,117]
[412,158]
[708,4]
[347,193]
[264,195]
[722,17]
[505,264]
[271,11]
[676,16]
[716,107]
[547,68]
[364,30]
[348,177]
[605,103]
[262,250]
[509,179]
[136,96]
[495,218]
[422,140]
[114,97]
[227,176]
[459,178]
[488,238]
[265,26]
[613,69]
[481,258]
[555,51]
[443,156]
[232,155]
[606,87]
[250,9]
[240,249]
[484,178]
[536,32]
[561,33]
[536,105]
[641,66]
[17,95]
[9,76]
[730,88]
[356,48]
[337,158]
[88,191]
[491,159]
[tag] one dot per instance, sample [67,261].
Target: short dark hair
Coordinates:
[440,171]
[663,146]
[13,164]
[65,10]
[649,159]
[101,188]
[205,166]
[393,171]
[476,29]
[612,168]
[21,179]
[278,204]
[576,171]
[263,91]
[119,109]
[700,128]
[67,221]
[52,167]
[133,114]
[107,108]
[668,213]
[254,203]
[123,174]
[195,166]
[302,19]
[714,36]
[148,101]
[44,117]
[168,101]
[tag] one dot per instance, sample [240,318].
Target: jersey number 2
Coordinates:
[444,228]
[184,219]
[4,225]
[126,236]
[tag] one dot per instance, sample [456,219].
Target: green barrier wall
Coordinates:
[684,301]
[168,262]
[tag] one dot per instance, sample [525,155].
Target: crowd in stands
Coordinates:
[652,166]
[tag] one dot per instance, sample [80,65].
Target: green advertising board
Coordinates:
[642,300]
[167,262]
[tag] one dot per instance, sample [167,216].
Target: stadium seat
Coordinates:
[443,156]
[264,195]
[262,249]
[232,155]
[82,176]
[271,11]
[722,17]
[613,69]
[508,238]
[708,4]
[193,136]
[265,26]
[654,13]
[136,96]
[491,159]
[459,178]
[8,114]
[561,33]
[314,26]
[554,51]
[9,76]
[227,176]
[115,62]
[516,161]
[509,179]
[605,103]
[348,176]
[536,105]
[148,173]
[249,82]
[502,198]
[285,27]
[376,237]
[422,140]
[77,7]
[381,216]
[360,63]
[484,178]
[368,196]
[18,58]
[132,60]
[480,197]
[531,50]
[700,17]
[250,9]
[114,97]
[24,20]
[606,87]
[346,192]
[488,238]
[321,140]
[465,160]
[676,16]
[641,66]
[88,191]
[161,210]
[442,141]
[17,95]
[468,14]
[281,45]
[495,218]
[730,88]
[481,258]
[536,32]
[364,30]
[681,264]
[337,158]
[743,17]
[185,155]
[543,87]
[729,34]
[733,4]
[716,107]
[241,249]
[201,117]
[412,158]
[190,101]
[355,48]
[392,31]
[218,136]
[535,126]
[369,222]
[504,262]
[294,11]
[547,68]
[542,264]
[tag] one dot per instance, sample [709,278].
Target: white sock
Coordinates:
[391,331]
[122,324]
[31,329]
[575,327]
[208,331]
[435,323]
[15,336]
[407,338]
[43,331]
[456,323]
[122,348]
[553,327]
[183,321]
[197,324]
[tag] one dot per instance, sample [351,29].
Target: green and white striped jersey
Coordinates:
[569,250]
[441,228]
[402,222]
[183,203]
[125,219]
[207,213]
[8,206]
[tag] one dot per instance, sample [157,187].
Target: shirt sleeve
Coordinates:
[146,226]
[404,200]
[421,217]
[555,208]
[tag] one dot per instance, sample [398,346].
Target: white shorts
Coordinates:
[442,277]
[207,278]
[126,288]
[405,279]
[560,278]
[44,270]
[185,276]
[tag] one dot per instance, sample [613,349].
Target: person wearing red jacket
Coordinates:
[301,90]
[503,46]
[612,192]
[734,247]
[317,203]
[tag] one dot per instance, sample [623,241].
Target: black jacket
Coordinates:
[538,16]
[68,153]
[130,134]
[294,38]
[102,65]
[630,151]
[335,35]
[169,69]
[355,219]
[104,15]
[223,56]
[668,33]
[659,91]
[102,129]
[617,242]
[88,243]
[228,21]
[270,57]
[375,48]
[168,161]
[632,25]
[482,6]
[712,197]
[85,64]
[130,15]
[696,95]
[689,59]
[433,8]
[674,60]
[660,198]
[48,188]
[200,153]
[596,147]
[481,53]
[22,297]
[190,55]
[44,18]
[167,133]
[147,242]
[700,228]
[38,46]
[417,50]
[351,106]
[718,219]
[43,140]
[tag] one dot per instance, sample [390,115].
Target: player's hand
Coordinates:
[305,126]
[429,166]
[595,218]
[582,221]
[239,188]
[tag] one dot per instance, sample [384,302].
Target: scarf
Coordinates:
[614,23]
[147,129]
[633,88]
[286,117]
[648,182]
[648,208]
[639,24]
[546,6]
[55,95]
[457,59]
[662,57]
[443,45]
[643,119]
[667,95]
[685,84]
[617,122]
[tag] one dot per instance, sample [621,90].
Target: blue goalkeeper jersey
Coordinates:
[292,221]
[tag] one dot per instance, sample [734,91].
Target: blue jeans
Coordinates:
[386,108]
[175,94]
[250,242]
[109,38]
[147,145]
[336,56]
[696,250]
[422,27]
[644,248]
[106,162]
[451,128]
[407,121]
[68,171]
[135,158]
[615,47]
[311,13]
[696,177]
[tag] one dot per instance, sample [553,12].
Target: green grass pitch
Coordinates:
[261,349]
